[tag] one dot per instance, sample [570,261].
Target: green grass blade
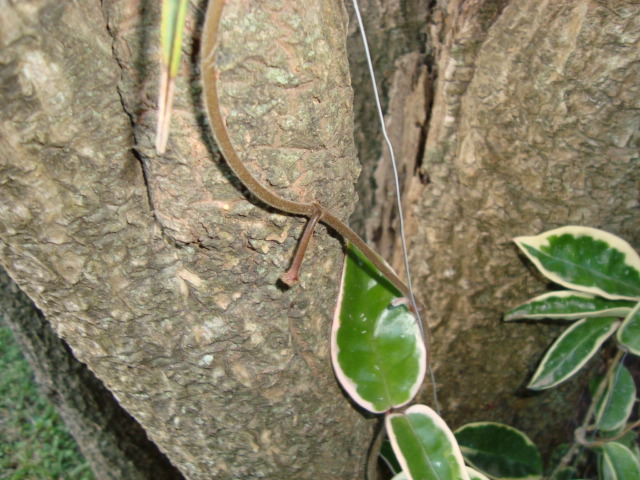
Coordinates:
[569,305]
[572,350]
[173,19]
[174,13]
[34,443]
[586,259]
[499,451]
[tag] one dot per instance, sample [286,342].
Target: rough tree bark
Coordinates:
[512,118]
[160,272]
[534,124]
[112,442]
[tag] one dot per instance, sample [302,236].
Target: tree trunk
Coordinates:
[159,272]
[531,123]
[162,274]
[114,444]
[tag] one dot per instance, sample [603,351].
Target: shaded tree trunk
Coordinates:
[113,443]
[531,123]
[161,273]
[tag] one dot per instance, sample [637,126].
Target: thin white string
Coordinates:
[397,184]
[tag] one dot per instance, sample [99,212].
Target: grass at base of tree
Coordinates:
[34,443]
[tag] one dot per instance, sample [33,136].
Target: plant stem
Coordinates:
[580,442]
[290,277]
[209,79]
[374,453]
[626,430]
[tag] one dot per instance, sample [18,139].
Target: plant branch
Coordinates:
[290,277]
[580,441]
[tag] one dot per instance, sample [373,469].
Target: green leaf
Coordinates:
[586,259]
[377,350]
[424,445]
[400,476]
[617,462]
[635,449]
[387,455]
[499,451]
[628,439]
[565,473]
[569,305]
[628,334]
[173,18]
[571,351]
[476,475]
[614,408]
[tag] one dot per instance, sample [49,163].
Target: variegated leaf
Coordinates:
[476,475]
[569,305]
[615,406]
[572,350]
[389,457]
[377,350]
[617,462]
[424,445]
[586,259]
[400,476]
[628,334]
[565,473]
[499,451]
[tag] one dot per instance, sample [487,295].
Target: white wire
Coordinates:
[397,183]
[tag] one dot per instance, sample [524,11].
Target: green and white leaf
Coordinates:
[377,350]
[499,451]
[615,405]
[476,475]
[586,259]
[635,449]
[628,334]
[572,350]
[389,457]
[565,473]
[617,462]
[424,445]
[628,438]
[400,476]
[569,305]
